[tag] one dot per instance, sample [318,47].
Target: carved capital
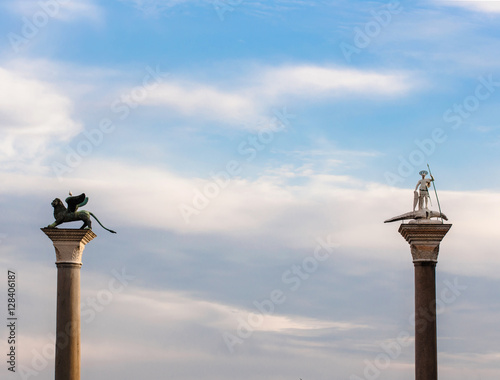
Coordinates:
[69,243]
[424,240]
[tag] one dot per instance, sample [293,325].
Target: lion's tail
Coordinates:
[107,229]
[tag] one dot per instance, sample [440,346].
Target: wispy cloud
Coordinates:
[255,8]
[245,101]
[32,115]
[311,80]
[61,10]
[164,306]
[201,101]
[486,6]
[157,7]
[274,85]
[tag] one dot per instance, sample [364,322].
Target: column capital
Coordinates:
[424,240]
[69,243]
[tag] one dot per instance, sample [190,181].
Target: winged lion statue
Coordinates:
[71,213]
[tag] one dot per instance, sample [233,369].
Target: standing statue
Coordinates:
[71,214]
[421,197]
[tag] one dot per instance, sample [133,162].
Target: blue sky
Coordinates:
[249,151]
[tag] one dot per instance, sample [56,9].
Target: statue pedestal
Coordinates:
[69,245]
[424,240]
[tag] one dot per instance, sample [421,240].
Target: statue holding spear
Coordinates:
[422,199]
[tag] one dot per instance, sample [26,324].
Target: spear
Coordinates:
[435,191]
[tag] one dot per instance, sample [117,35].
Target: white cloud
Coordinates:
[83,9]
[310,80]
[349,210]
[271,86]
[238,104]
[60,10]
[486,6]
[32,115]
[201,101]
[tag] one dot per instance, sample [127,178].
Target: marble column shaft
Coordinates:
[424,240]
[69,245]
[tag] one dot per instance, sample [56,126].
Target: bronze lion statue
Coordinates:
[71,213]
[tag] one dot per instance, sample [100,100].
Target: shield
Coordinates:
[415,199]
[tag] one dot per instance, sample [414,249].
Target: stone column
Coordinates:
[69,245]
[424,242]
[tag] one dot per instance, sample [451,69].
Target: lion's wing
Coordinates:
[76,201]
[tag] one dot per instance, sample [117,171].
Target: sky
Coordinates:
[247,154]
